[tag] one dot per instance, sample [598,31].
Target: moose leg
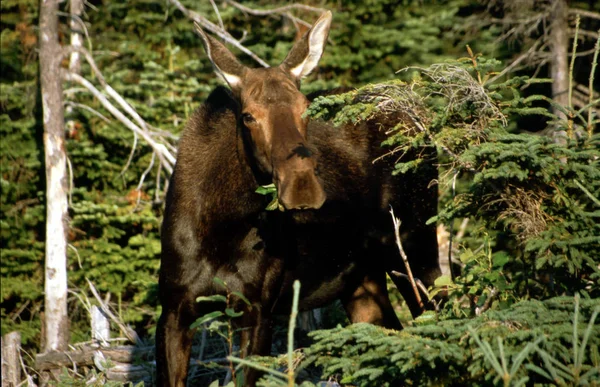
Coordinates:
[255,340]
[369,302]
[173,347]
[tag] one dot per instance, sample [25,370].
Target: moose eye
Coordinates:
[248,118]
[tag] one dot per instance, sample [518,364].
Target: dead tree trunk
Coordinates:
[559,47]
[55,282]
[11,367]
[76,25]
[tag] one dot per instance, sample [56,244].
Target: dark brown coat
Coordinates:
[339,245]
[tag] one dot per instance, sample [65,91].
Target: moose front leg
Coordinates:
[173,347]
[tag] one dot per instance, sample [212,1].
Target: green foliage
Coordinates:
[544,192]
[459,352]
[270,190]
[535,202]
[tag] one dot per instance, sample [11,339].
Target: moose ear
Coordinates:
[305,54]
[225,63]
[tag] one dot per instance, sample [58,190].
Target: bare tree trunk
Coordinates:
[76,39]
[11,354]
[559,48]
[76,25]
[55,284]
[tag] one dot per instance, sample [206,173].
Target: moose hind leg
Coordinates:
[173,348]
[369,302]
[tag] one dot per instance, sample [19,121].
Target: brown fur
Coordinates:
[336,236]
[216,226]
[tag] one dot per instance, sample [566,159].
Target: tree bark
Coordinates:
[76,38]
[559,47]
[55,284]
[11,354]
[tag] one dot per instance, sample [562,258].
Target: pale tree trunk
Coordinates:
[76,39]
[55,284]
[559,62]
[76,25]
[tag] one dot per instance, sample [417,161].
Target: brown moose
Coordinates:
[335,235]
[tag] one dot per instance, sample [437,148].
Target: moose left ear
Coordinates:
[224,62]
[305,54]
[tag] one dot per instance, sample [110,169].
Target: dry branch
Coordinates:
[282,11]
[210,26]
[127,331]
[413,283]
[167,159]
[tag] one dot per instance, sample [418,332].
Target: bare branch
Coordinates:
[584,13]
[86,107]
[519,59]
[165,157]
[212,2]
[588,34]
[283,11]
[278,10]
[397,223]
[127,331]
[207,24]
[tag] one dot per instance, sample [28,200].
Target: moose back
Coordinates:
[336,235]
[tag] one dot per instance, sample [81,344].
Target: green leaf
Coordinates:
[219,281]
[443,280]
[213,298]
[273,205]
[500,260]
[242,297]
[206,318]
[232,313]
[266,189]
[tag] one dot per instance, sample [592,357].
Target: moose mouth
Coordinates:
[301,191]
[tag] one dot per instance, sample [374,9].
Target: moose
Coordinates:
[335,234]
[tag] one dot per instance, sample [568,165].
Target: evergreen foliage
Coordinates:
[454,351]
[540,195]
[535,201]
[148,52]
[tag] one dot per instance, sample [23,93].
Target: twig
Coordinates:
[130,333]
[397,223]
[207,24]
[519,59]
[86,107]
[591,85]
[283,11]
[142,178]
[144,128]
[212,2]
[292,327]
[488,302]
[584,13]
[278,10]
[165,157]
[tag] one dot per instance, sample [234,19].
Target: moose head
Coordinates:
[272,108]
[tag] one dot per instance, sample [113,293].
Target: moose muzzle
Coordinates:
[298,185]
